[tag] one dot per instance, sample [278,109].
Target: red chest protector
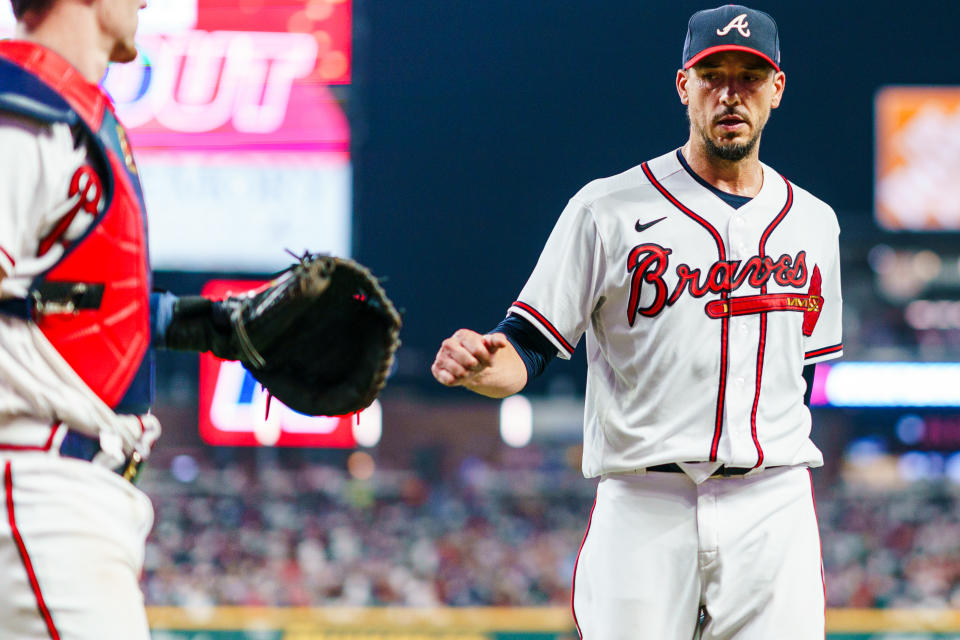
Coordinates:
[92,305]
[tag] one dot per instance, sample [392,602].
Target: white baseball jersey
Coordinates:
[699,317]
[72,532]
[37,167]
[41,175]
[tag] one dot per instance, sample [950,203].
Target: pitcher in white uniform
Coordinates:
[707,286]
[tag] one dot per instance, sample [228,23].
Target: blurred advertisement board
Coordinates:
[233,412]
[917,158]
[484,623]
[319,634]
[886,384]
[235,112]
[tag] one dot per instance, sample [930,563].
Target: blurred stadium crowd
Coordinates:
[315,536]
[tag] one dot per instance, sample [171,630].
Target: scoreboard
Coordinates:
[236,114]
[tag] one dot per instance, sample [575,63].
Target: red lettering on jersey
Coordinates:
[762,267]
[86,188]
[648,263]
[720,275]
[797,275]
[689,279]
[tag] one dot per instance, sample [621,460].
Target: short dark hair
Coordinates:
[20,7]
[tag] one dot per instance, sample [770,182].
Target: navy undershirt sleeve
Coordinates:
[533,347]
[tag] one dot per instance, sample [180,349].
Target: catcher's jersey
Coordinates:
[699,317]
[38,165]
[41,180]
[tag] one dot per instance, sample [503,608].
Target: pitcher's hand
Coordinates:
[465,355]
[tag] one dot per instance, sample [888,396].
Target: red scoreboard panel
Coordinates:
[212,77]
[233,405]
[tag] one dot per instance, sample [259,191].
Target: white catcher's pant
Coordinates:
[72,538]
[659,547]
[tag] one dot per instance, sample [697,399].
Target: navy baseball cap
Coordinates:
[732,27]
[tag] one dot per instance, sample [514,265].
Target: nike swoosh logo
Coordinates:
[644,227]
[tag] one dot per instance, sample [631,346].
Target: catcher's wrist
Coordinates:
[200,324]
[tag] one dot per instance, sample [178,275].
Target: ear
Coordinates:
[682,86]
[779,82]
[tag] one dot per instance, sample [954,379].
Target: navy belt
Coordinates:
[83,447]
[724,472]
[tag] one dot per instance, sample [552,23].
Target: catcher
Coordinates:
[78,325]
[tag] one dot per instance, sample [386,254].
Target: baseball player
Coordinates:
[75,328]
[78,323]
[707,286]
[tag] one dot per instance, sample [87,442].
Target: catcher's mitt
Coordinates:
[320,337]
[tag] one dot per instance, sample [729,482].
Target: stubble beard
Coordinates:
[734,152]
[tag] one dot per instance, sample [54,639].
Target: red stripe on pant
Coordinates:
[573,585]
[25,557]
[823,577]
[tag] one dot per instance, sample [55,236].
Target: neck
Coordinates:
[739,177]
[70,30]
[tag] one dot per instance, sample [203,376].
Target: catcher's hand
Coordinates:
[320,337]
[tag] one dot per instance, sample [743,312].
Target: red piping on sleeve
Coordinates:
[546,324]
[824,351]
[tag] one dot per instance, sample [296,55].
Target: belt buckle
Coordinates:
[132,468]
[732,472]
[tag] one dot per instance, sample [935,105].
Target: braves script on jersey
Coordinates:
[699,317]
[44,209]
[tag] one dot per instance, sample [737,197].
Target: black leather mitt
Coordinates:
[320,337]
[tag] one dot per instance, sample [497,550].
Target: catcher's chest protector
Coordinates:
[103,328]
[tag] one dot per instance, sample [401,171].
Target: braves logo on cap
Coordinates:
[739,23]
[745,29]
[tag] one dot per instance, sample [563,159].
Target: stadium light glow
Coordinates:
[368,427]
[516,421]
[891,384]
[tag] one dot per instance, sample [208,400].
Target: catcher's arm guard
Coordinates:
[321,336]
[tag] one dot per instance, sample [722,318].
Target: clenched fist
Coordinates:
[465,355]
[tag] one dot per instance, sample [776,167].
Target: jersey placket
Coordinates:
[737,448]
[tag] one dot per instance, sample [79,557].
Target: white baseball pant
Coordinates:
[660,549]
[72,538]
